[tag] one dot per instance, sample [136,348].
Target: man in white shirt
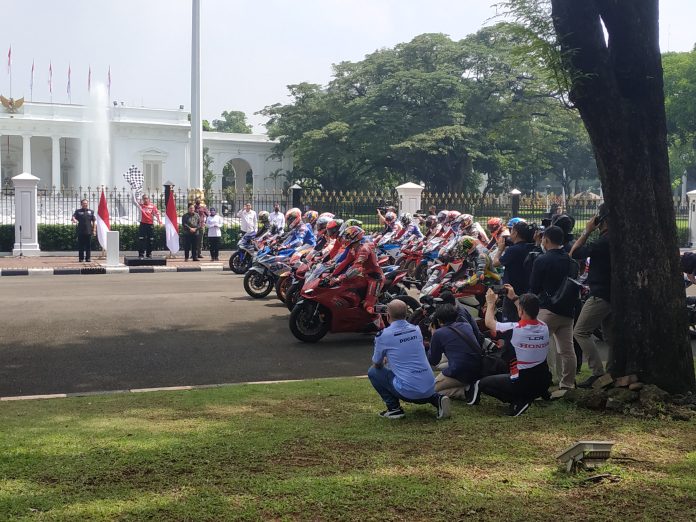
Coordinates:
[247,219]
[277,218]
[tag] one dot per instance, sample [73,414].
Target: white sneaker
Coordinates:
[444,407]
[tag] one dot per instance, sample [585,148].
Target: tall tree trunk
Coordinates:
[617,87]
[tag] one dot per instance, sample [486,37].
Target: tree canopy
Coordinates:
[450,113]
[232,121]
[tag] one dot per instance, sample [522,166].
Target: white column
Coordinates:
[55,162]
[26,232]
[692,217]
[409,197]
[1,180]
[26,153]
[77,181]
[196,130]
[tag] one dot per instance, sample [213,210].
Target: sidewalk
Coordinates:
[66,263]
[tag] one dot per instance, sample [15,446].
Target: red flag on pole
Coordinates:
[103,225]
[171,225]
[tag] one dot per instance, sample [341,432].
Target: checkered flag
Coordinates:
[135,179]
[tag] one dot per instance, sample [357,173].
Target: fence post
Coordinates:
[692,217]
[409,198]
[515,202]
[26,231]
[296,196]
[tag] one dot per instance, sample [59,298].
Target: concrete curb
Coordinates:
[110,270]
[164,389]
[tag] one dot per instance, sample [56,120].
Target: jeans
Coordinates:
[84,246]
[146,232]
[382,381]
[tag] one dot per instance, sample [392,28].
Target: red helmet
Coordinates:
[322,223]
[494,224]
[311,216]
[333,227]
[293,217]
[352,234]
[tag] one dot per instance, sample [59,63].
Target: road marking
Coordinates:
[165,389]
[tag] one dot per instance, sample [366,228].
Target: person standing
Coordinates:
[86,228]
[248,221]
[512,258]
[596,311]
[191,222]
[549,273]
[409,377]
[146,230]
[277,218]
[203,213]
[214,224]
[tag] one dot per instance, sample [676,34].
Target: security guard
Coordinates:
[409,377]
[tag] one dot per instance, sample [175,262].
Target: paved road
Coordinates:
[67,334]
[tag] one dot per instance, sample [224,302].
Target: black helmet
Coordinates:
[564,222]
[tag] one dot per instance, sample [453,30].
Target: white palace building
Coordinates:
[50,141]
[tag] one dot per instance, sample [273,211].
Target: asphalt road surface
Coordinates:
[68,334]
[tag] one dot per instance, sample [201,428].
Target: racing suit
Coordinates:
[411,230]
[361,257]
[300,235]
[482,266]
[476,230]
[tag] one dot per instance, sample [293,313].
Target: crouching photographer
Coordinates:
[457,341]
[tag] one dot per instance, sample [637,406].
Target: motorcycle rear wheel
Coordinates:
[307,325]
[239,265]
[257,285]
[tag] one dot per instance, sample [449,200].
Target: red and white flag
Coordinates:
[9,61]
[50,77]
[103,225]
[171,225]
[89,79]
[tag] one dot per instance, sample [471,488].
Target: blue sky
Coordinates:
[251,49]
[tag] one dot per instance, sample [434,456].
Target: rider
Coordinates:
[322,238]
[361,261]
[448,231]
[432,227]
[310,218]
[409,228]
[332,231]
[496,229]
[466,226]
[469,249]
[299,232]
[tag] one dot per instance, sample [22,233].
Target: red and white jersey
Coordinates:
[530,339]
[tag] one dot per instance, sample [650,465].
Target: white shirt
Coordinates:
[214,223]
[277,219]
[530,340]
[248,221]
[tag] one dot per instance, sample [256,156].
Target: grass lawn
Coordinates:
[316,450]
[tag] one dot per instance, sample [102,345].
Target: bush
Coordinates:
[62,238]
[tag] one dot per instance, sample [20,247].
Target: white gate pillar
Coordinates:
[692,217]
[409,198]
[26,232]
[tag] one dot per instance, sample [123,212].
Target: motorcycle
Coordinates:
[322,308]
[265,271]
[240,261]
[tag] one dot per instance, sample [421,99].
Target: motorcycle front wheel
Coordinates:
[292,295]
[282,286]
[257,285]
[307,323]
[240,262]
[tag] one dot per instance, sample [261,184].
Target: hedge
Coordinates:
[61,238]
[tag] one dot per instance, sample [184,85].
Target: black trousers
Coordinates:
[191,245]
[146,233]
[214,243]
[511,392]
[84,247]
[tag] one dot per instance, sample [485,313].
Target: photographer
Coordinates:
[549,275]
[597,309]
[457,341]
[526,347]
[511,254]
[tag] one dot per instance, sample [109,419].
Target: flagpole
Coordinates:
[9,68]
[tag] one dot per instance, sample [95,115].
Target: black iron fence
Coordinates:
[56,207]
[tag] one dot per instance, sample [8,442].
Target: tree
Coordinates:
[232,121]
[208,174]
[616,84]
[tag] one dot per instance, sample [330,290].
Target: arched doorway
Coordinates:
[238,175]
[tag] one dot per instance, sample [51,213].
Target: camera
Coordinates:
[499,290]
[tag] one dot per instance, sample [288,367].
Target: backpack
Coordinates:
[564,300]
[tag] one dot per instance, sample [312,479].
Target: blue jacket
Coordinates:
[300,235]
[458,342]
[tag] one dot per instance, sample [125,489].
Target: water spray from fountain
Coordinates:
[98,137]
